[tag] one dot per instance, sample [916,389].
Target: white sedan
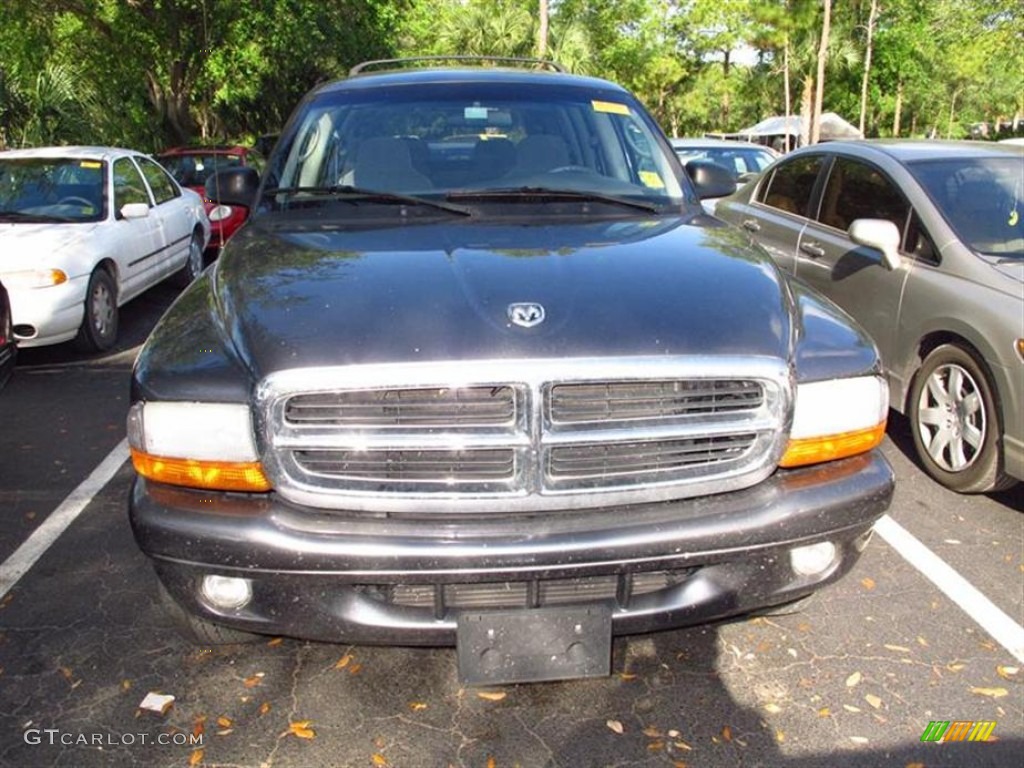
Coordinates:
[84,230]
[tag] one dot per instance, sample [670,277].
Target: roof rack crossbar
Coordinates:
[397,63]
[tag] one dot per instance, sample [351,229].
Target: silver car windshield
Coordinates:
[981,198]
[473,141]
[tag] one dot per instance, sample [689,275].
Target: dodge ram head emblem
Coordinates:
[526,314]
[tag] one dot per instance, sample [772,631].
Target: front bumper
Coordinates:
[334,576]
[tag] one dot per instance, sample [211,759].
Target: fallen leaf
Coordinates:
[355,669]
[492,695]
[226,732]
[868,583]
[416,706]
[873,700]
[196,757]
[491,762]
[199,726]
[1007,673]
[264,707]
[897,648]
[301,729]
[627,676]
[858,740]
[952,541]
[616,726]
[656,746]
[773,708]
[922,642]
[224,722]
[68,674]
[682,745]
[651,732]
[914,765]
[824,712]
[156,702]
[252,682]
[343,661]
[727,733]
[780,736]
[674,734]
[994,693]
[126,684]
[379,760]
[955,666]
[851,708]
[679,764]
[275,642]
[852,680]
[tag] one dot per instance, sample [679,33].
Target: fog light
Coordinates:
[814,559]
[226,592]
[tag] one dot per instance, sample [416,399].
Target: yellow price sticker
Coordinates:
[610,107]
[652,180]
[90,164]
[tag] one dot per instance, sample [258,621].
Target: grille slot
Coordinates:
[438,466]
[413,407]
[649,457]
[633,400]
[516,594]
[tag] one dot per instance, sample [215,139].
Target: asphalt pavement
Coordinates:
[853,680]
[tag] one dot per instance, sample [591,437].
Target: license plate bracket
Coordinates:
[534,644]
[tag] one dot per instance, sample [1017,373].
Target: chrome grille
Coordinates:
[423,407]
[620,401]
[521,435]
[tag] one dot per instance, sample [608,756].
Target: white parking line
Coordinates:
[1004,630]
[53,526]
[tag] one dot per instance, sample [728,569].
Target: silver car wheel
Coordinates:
[951,418]
[102,309]
[195,258]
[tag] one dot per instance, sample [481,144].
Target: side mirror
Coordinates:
[235,186]
[880,234]
[134,211]
[710,179]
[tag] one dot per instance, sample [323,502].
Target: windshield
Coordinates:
[52,190]
[981,198]
[191,170]
[466,141]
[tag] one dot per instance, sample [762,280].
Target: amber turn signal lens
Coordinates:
[207,475]
[813,450]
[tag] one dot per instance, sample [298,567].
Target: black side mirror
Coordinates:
[710,179]
[235,186]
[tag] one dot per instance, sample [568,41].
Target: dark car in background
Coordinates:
[191,166]
[517,399]
[8,347]
[922,242]
[743,160]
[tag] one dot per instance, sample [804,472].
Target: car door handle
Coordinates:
[752,225]
[812,249]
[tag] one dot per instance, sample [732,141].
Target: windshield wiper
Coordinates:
[34,218]
[550,192]
[354,194]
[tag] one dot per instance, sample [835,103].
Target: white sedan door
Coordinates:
[137,241]
[172,213]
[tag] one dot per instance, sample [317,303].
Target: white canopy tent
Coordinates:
[832,127]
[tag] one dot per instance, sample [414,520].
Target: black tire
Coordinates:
[98,331]
[195,263]
[955,422]
[200,630]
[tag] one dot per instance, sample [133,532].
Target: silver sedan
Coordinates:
[923,243]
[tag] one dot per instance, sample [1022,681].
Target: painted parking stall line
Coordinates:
[18,564]
[1003,629]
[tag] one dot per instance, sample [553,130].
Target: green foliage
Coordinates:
[148,73]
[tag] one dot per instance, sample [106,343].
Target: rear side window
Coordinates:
[791,184]
[159,181]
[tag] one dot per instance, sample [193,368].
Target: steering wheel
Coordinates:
[74,200]
[571,169]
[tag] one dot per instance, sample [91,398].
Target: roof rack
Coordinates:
[399,63]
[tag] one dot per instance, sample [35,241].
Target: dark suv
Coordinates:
[517,399]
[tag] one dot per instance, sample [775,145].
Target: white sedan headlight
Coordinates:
[34,278]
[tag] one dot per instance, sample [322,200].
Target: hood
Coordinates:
[291,298]
[23,246]
[1012,269]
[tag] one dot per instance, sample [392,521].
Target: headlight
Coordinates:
[220,212]
[835,419]
[34,278]
[197,445]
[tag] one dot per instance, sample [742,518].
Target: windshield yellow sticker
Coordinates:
[610,106]
[652,180]
[90,164]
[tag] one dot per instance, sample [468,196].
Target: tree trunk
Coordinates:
[952,113]
[806,110]
[872,19]
[819,85]
[542,30]
[788,95]
[898,111]
[725,96]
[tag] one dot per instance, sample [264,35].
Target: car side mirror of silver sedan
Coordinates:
[880,234]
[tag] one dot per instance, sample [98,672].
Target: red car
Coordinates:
[191,166]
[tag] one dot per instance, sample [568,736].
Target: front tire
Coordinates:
[955,422]
[98,332]
[195,262]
